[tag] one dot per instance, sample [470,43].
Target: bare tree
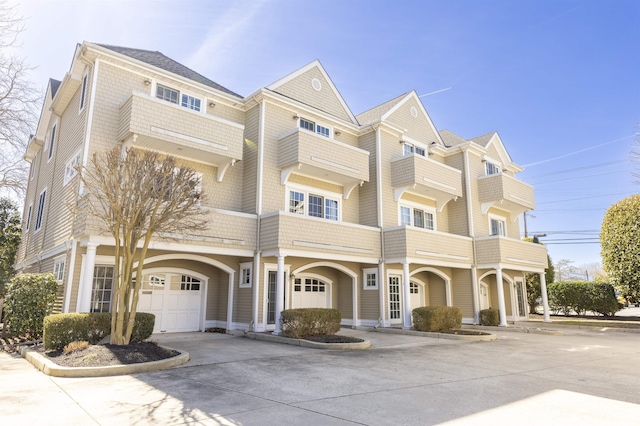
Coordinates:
[563,270]
[138,195]
[19,104]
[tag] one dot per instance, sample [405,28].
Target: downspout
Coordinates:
[258,252]
[381,271]
[474,266]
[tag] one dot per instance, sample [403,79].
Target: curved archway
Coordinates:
[442,275]
[346,271]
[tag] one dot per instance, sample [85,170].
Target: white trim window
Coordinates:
[70,170]
[420,217]
[370,279]
[52,140]
[246,275]
[103,276]
[58,269]
[41,201]
[174,96]
[189,283]
[312,126]
[28,224]
[83,93]
[410,149]
[491,168]
[497,226]
[319,204]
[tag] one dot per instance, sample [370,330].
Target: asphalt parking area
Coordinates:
[579,378]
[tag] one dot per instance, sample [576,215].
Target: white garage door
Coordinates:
[175,300]
[311,293]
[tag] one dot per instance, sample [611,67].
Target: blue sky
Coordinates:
[559,80]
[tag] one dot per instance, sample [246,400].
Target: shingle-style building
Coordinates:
[309,205]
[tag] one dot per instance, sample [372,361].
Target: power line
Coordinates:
[609,163]
[581,198]
[577,152]
[582,176]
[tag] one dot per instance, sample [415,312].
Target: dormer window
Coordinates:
[491,168]
[315,128]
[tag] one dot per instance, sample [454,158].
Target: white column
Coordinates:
[501,304]
[406,300]
[382,283]
[447,289]
[230,302]
[86,283]
[355,302]
[279,293]
[545,298]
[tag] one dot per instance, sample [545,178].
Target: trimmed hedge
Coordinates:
[436,318]
[30,298]
[62,329]
[582,296]
[306,322]
[490,317]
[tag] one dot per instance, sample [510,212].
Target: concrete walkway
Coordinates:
[579,378]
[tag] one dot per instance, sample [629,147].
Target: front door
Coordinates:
[521,301]
[416,293]
[484,296]
[395,304]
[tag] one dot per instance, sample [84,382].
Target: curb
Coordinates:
[594,328]
[486,338]
[519,329]
[301,342]
[50,368]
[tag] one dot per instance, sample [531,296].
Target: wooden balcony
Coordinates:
[505,192]
[153,124]
[290,233]
[432,247]
[511,254]
[425,177]
[308,154]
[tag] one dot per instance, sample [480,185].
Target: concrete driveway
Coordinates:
[581,378]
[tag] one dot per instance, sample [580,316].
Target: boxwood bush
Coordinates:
[306,322]
[490,317]
[30,298]
[436,318]
[582,296]
[62,329]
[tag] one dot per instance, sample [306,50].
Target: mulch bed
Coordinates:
[107,355]
[465,332]
[334,338]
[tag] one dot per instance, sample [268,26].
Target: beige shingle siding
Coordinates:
[417,128]
[462,291]
[325,100]
[512,251]
[368,192]
[250,160]
[456,211]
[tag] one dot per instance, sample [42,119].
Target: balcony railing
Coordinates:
[437,248]
[285,232]
[306,153]
[157,125]
[428,178]
[506,192]
[510,253]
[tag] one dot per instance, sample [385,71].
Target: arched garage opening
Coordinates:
[187,292]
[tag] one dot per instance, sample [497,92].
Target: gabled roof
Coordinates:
[342,109]
[484,139]
[377,112]
[157,59]
[451,139]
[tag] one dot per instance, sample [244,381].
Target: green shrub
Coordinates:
[436,318]
[62,329]
[30,298]
[306,322]
[582,296]
[490,317]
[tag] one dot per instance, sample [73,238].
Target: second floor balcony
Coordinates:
[425,177]
[154,124]
[433,247]
[293,233]
[506,192]
[309,154]
[510,253]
